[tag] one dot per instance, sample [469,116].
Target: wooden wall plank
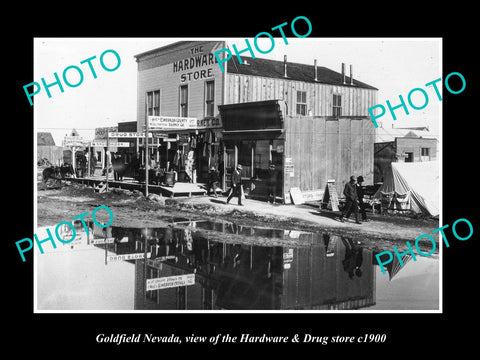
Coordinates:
[345,152]
[357,141]
[332,147]
[368,150]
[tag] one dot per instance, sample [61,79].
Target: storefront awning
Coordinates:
[259,116]
[254,134]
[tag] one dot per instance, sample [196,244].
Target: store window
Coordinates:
[245,157]
[337,105]
[255,157]
[184,100]
[153,103]
[301,103]
[425,155]
[262,154]
[210,98]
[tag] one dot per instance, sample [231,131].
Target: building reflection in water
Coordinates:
[320,272]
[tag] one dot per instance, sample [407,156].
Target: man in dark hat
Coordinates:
[361,205]
[236,185]
[350,193]
[213,180]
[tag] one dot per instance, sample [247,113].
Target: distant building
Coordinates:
[45,139]
[402,145]
[46,149]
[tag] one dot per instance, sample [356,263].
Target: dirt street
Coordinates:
[135,210]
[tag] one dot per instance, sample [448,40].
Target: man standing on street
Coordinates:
[213,180]
[236,185]
[271,183]
[361,205]
[350,193]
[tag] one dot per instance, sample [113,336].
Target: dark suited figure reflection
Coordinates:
[353,258]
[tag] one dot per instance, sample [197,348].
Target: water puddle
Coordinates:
[203,265]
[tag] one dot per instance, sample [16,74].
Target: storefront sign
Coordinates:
[101,133]
[289,167]
[171,123]
[209,123]
[199,64]
[111,143]
[170,281]
[116,134]
[74,141]
[123,257]
[183,123]
[109,240]
[160,135]
[157,262]
[287,259]
[288,256]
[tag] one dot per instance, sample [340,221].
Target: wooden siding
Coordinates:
[156,72]
[322,149]
[162,79]
[248,88]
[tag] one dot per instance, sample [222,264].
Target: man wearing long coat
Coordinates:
[350,193]
[236,185]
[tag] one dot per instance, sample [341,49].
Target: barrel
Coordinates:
[169,178]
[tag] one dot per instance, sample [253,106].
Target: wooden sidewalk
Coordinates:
[178,190]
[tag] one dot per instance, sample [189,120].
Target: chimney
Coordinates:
[315,66]
[343,72]
[351,74]
[285,66]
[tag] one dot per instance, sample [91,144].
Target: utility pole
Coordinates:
[146,156]
[106,158]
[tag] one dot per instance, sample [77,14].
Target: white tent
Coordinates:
[415,186]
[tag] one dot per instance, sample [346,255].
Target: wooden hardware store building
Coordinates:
[308,120]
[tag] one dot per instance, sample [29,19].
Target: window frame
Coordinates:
[301,104]
[336,107]
[209,102]
[150,108]
[183,103]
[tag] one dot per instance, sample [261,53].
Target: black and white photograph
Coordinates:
[276,174]
[196,179]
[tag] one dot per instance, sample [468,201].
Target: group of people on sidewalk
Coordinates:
[353,191]
[236,183]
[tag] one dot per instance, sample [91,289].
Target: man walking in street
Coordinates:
[236,185]
[350,193]
[361,204]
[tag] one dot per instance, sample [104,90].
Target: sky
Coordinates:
[395,66]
